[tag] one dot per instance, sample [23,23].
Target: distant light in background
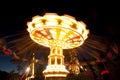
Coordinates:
[27,69]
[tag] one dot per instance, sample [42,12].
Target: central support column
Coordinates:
[55,69]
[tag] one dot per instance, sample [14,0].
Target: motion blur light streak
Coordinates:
[91,47]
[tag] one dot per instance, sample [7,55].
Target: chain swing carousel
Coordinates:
[57,33]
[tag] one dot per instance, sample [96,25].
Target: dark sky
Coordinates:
[102,18]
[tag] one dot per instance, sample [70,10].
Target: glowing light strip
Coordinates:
[55,75]
[56,68]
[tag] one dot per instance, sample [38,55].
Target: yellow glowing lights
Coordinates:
[27,69]
[50,28]
[57,33]
[55,70]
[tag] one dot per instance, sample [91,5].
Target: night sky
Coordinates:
[101,18]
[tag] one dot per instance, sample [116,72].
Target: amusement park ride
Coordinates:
[57,33]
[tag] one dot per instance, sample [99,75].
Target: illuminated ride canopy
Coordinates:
[63,31]
[57,33]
